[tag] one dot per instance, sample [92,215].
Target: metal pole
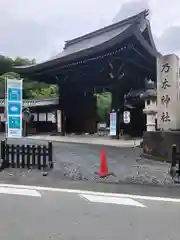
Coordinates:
[173,169]
[5,109]
[25,128]
[173,155]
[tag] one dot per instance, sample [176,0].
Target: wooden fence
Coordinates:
[26,156]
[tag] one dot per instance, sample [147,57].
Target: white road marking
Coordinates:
[112,200]
[140,197]
[19,191]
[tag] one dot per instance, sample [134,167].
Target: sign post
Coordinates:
[14,108]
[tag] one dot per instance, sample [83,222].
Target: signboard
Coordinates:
[14,108]
[168,92]
[59,121]
[113,121]
[126,117]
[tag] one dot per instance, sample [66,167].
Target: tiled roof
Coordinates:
[98,41]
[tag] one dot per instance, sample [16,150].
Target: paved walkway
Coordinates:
[95,140]
[79,162]
[78,158]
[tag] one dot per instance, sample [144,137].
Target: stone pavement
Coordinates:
[79,162]
[95,140]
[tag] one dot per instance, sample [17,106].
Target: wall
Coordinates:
[158,144]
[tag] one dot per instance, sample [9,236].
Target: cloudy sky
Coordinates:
[38,28]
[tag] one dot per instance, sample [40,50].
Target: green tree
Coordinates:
[5,64]
[103,106]
[18,61]
[4,76]
[31,89]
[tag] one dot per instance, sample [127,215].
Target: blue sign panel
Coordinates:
[14,108]
[14,122]
[113,124]
[14,94]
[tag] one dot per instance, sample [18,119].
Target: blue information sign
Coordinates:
[14,108]
[14,122]
[14,94]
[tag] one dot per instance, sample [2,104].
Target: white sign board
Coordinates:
[59,121]
[113,120]
[168,92]
[126,117]
[14,105]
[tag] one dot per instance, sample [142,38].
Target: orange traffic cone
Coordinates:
[103,171]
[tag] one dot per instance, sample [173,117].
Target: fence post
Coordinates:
[50,154]
[39,157]
[7,164]
[28,157]
[178,171]
[23,157]
[173,155]
[33,155]
[18,156]
[12,150]
[44,156]
[173,170]
[3,154]
[3,149]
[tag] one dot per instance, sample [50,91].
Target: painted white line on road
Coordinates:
[19,191]
[112,200]
[140,197]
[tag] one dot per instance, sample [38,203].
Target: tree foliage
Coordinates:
[39,90]
[103,106]
[31,89]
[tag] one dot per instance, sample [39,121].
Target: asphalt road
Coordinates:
[47,214]
[29,212]
[79,162]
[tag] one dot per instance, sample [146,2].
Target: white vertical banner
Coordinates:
[59,122]
[168,92]
[14,106]
[113,121]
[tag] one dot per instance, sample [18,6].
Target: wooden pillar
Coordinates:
[117,104]
[117,73]
[63,95]
[89,113]
[63,124]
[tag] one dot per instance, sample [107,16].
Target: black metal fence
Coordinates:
[175,161]
[26,156]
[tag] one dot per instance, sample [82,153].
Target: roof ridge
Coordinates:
[106,28]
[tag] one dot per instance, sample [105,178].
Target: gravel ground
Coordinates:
[79,162]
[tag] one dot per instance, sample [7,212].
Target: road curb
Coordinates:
[88,143]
